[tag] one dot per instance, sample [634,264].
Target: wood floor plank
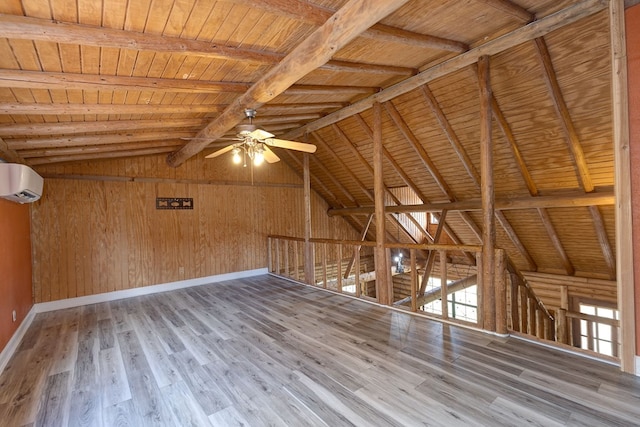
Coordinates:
[53,407]
[265,351]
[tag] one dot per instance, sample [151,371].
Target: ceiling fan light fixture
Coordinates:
[236,156]
[258,156]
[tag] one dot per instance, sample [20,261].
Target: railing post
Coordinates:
[562,326]
[480,289]
[277,242]
[531,330]
[286,258]
[414,281]
[356,276]
[269,256]
[339,267]
[501,292]
[515,309]
[443,283]
[324,265]
[524,309]
[296,260]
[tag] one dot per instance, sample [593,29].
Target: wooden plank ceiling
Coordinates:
[84,80]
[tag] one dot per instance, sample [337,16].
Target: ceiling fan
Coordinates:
[254,143]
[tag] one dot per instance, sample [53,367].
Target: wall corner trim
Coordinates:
[15,340]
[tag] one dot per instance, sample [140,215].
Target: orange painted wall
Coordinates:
[15,267]
[632,16]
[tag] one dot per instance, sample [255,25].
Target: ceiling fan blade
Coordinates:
[270,156]
[260,134]
[220,152]
[291,145]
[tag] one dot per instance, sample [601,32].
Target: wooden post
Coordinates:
[524,309]
[309,270]
[480,289]
[622,171]
[356,276]
[296,261]
[384,288]
[324,265]
[539,323]
[339,267]
[531,307]
[501,292]
[443,283]
[269,255]
[286,258]
[414,281]
[515,323]
[488,197]
[277,242]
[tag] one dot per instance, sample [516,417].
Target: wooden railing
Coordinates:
[528,313]
[348,267]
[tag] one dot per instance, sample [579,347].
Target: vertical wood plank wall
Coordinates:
[15,268]
[632,18]
[93,236]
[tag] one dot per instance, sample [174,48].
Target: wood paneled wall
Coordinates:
[15,268]
[94,236]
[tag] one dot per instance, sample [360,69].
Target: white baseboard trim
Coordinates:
[15,340]
[637,366]
[145,290]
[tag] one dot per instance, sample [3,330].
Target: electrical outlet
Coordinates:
[14,316]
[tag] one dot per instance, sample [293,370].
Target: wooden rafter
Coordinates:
[417,147]
[510,8]
[51,80]
[575,147]
[97,156]
[603,239]
[67,128]
[9,154]
[347,142]
[555,241]
[318,15]
[95,140]
[529,32]
[355,17]
[122,147]
[602,197]
[136,109]
[23,27]
[448,131]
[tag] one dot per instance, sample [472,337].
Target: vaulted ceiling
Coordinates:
[88,81]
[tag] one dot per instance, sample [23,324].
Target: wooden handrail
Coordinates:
[425,246]
[592,318]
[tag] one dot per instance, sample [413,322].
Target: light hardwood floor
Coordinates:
[264,351]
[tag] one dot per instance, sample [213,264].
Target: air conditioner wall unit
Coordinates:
[19,183]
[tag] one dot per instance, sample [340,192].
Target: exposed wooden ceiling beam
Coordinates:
[62,128]
[417,147]
[347,142]
[351,20]
[603,239]
[8,154]
[50,80]
[135,109]
[107,148]
[448,131]
[555,241]
[60,109]
[510,8]
[28,28]
[602,197]
[99,156]
[318,15]
[529,32]
[575,147]
[94,140]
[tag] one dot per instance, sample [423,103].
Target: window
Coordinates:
[461,305]
[598,335]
